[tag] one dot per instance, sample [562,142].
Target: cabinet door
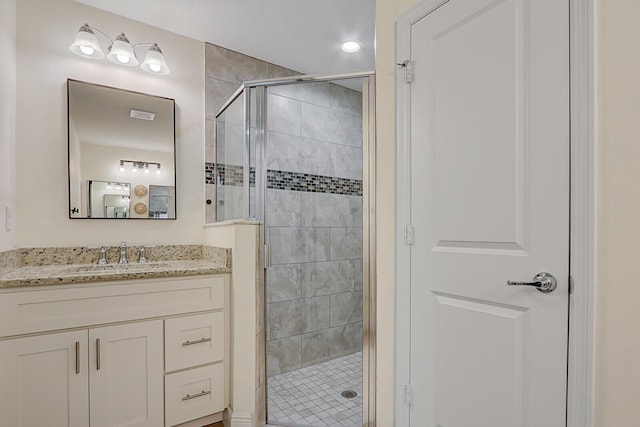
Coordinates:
[126,375]
[44,381]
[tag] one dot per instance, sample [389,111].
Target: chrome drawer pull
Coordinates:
[98,354]
[77,357]
[193,396]
[200,341]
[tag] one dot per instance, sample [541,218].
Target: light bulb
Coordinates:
[134,169]
[158,170]
[121,166]
[123,59]
[87,50]
[351,47]
[146,168]
[109,186]
[118,187]
[155,67]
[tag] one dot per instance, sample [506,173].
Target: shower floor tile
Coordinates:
[311,396]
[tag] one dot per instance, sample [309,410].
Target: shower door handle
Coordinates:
[267,255]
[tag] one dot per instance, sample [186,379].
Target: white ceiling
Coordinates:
[303,35]
[100,116]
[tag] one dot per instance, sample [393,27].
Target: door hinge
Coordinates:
[408,395]
[409,234]
[571,285]
[408,71]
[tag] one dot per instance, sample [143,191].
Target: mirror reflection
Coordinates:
[109,199]
[121,154]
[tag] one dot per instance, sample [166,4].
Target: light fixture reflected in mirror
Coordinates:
[137,165]
[120,51]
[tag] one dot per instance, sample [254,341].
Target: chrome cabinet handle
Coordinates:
[544,282]
[200,341]
[98,354]
[77,357]
[193,396]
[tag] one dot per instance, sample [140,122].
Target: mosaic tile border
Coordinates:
[295,181]
[209,173]
[233,175]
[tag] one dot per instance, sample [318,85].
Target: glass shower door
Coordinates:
[313,219]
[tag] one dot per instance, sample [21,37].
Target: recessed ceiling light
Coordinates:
[351,47]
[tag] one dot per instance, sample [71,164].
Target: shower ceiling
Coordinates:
[304,35]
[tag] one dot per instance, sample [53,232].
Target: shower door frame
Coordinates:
[368,210]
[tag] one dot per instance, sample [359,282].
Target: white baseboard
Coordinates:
[237,419]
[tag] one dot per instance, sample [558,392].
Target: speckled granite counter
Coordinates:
[58,266]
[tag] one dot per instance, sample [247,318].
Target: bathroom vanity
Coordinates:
[135,345]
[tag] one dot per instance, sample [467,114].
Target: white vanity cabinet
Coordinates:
[144,353]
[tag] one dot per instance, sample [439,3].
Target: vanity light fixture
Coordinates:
[137,165]
[350,47]
[120,51]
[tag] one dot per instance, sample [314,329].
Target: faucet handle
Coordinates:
[103,254]
[143,257]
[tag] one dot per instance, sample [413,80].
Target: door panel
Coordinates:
[127,383]
[480,347]
[489,139]
[477,106]
[44,381]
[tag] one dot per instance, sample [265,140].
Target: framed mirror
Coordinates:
[121,153]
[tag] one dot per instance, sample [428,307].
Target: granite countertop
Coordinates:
[64,266]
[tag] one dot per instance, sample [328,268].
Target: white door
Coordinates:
[126,375]
[489,141]
[44,382]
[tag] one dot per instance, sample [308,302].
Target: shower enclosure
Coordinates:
[297,154]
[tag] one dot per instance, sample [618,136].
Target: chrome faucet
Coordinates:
[123,254]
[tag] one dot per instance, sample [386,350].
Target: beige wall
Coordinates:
[44,31]
[386,13]
[618,213]
[7,116]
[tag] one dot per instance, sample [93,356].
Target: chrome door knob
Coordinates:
[544,282]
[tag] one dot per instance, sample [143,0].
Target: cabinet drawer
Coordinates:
[194,393]
[193,340]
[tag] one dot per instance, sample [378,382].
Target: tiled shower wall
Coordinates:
[314,291]
[314,208]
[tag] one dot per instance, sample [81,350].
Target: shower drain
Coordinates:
[349,394]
